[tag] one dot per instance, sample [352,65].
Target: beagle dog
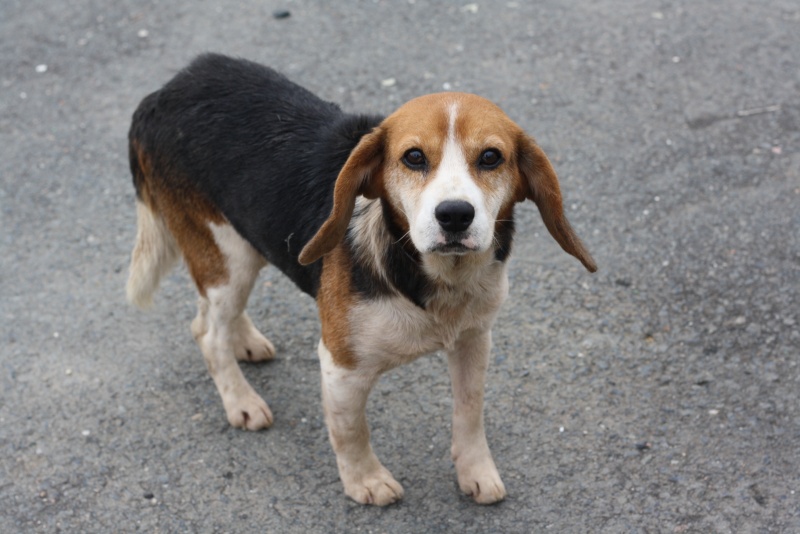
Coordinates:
[400,228]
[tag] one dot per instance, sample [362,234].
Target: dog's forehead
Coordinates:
[435,117]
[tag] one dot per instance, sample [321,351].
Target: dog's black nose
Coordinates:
[454,215]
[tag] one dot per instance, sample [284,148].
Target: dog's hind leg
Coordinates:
[225,333]
[174,216]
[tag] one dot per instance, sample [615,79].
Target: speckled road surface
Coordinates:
[658,395]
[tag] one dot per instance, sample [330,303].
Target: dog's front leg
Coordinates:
[344,396]
[477,474]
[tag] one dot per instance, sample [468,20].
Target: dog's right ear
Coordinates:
[354,179]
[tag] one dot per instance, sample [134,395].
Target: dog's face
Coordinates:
[449,171]
[450,167]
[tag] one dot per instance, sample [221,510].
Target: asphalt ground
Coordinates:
[658,395]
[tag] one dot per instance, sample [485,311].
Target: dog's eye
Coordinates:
[414,159]
[490,159]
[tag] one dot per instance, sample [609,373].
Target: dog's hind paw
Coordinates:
[248,411]
[249,344]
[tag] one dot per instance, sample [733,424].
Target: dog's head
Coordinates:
[450,166]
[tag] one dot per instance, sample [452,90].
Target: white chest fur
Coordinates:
[392,331]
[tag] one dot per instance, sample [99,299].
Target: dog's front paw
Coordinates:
[248,411]
[481,481]
[377,487]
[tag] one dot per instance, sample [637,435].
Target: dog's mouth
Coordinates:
[452,244]
[456,248]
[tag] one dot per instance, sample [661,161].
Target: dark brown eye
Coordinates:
[490,159]
[414,159]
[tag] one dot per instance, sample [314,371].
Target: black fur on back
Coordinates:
[264,150]
[266,153]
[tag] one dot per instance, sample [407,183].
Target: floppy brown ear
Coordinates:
[353,180]
[541,186]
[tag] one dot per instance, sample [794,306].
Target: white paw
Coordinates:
[249,344]
[378,487]
[481,481]
[248,411]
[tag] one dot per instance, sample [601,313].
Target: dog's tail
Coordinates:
[154,254]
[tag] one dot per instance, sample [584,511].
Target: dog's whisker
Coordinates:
[402,237]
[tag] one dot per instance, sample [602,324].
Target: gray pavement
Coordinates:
[659,395]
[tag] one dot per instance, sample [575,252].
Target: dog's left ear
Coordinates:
[354,179]
[540,184]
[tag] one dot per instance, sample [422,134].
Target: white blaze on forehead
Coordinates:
[452,112]
[453,177]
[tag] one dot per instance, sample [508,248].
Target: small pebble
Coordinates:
[148,495]
[143,33]
[388,82]
[41,68]
[281,14]
[643,446]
